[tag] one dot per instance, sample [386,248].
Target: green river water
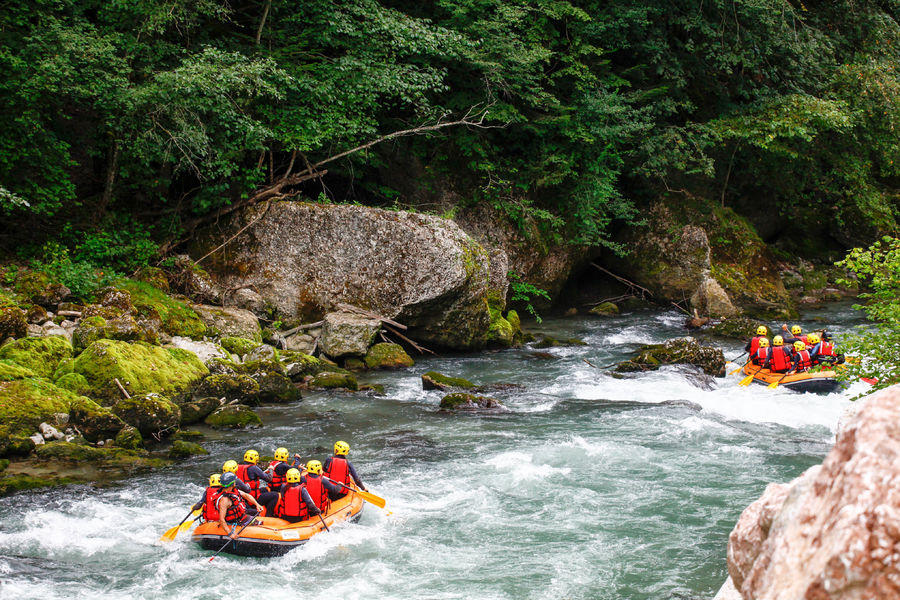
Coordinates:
[590,487]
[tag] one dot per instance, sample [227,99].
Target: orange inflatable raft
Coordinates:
[273,536]
[820,382]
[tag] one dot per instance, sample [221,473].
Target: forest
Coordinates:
[128,123]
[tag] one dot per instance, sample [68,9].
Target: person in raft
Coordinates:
[208,500]
[251,474]
[801,360]
[796,335]
[278,468]
[762,354]
[320,490]
[753,345]
[779,360]
[340,470]
[295,503]
[231,466]
[822,350]
[232,505]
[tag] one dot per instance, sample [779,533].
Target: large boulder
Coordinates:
[40,355]
[388,356]
[230,387]
[204,350]
[347,334]
[152,305]
[305,258]
[13,323]
[233,416]
[230,322]
[832,533]
[678,351]
[140,368]
[151,414]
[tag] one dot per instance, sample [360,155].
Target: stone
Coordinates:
[230,322]
[736,327]
[605,309]
[204,350]
[140,368]
[34,330]
[40,355]
[421,270]
[13,322]
[184,449]
[50,432]
[151,414]
[36,314]
[248,300]
[432,380]
[261,352]
[710,299]
[93,421]
[188,278]
[38,288]
[238,345]
[298,365]
[198,409]
[334,381]
[233,416]
[277,388]
[74,382]
[464,401]
[153,307]
[10,371]
[832,533]
[388,356]
[37,439]
[230,387]
[129,438]
[686,350]
[300,342]
[355,364]
[348,334]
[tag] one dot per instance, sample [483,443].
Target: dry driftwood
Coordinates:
[368,313]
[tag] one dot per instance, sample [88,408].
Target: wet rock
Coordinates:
[677,351]
[13,323]
[277,388]
[198,409]
[432,380]
[129,438]
[549,342]
[204,350]
[605,309]
[737,327]
[422,270]
[464,401]
[40,355]
[230,322]
[346,334]
[230,387]
[238,345]
[373,389]
[49,432]
[151,414]
[833,531]
[183,449]
[334,381]
[683,404]
[233,416]
[387,356]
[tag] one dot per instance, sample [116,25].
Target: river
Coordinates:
[590,487]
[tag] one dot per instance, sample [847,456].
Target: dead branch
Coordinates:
[119,383]
[420,349]
[240,231]
[631,285]
[368,313]
[290,332]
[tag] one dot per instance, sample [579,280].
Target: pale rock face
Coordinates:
[229,321]
[834,532]
[204,350]
[710,299]
[346,334]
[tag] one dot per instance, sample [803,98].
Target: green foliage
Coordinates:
[522,291]
[80,276]
[878,349]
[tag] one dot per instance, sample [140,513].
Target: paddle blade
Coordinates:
[170,534]
[736,370]
[372,498]
[746,380]
[773,385]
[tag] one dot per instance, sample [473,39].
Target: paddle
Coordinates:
[740,367]
[323,521]
[746,380]
[170,534]
[367,496]
[230,539]
[774,385]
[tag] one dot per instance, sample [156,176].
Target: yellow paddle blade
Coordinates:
[773,385]
[170,534]
[187,524]
[746,380]
[736,370]
[372,498]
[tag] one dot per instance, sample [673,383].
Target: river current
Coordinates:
[590,487]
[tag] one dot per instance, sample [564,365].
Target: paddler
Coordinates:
[762,353]
[248,472]
[801,360]
[822,350]
[796,335]
[320,490]
[753,345]
[208,500]
[779,360]
[232,505]
[278,468]
[340,470]
[295,504]
[231,466]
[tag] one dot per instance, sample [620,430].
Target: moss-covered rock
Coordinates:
[65,366]
[13,323]
[327,380]
[129,438]
[177,317]
[20,482]
[94,421]
[230,387]
[223,366]
[10,371]
[140,368]
[277,388]
[374,389]
[36,314]
[183,449]
[737,327]
[39,288]
[152,414]
[432,380]
[605,309]
[233,416]
[88,331]
[74,382]
[500,332]
[677,351]
[238,345]
[198,409]
[298,365]
[188,435]
[354,364]
[388,356]
[464,401]
[40,355]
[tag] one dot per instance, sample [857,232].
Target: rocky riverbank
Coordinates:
[834,531]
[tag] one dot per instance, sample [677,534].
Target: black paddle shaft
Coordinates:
[232,539]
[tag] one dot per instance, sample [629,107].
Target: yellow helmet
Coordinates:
[341,448]
[251,456]
[812,339]
[761,330]
[314,467]
[777,340]
[281,454]
[214,480]
[230,466]
[764,343]
[796,330]
[292,476]
[798,346]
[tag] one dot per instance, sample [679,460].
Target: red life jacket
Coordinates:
[238,508]
[317,491]
[277,480]
[339,470]
[761,355]
[754,344]
[802,338]
[253,483]
[780,360]
[826,349]
[211,506]
[805,360]
[292,504]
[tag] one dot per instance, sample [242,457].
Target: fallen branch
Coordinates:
[290,332]
[678,306]
[368,313]
[118,383]
[420,349]
[630,284]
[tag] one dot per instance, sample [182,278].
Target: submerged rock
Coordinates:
[605,309]
[464,401]
[184,449]
[684,350]
[432,380]
[832,533]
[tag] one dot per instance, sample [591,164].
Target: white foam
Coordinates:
[520,467]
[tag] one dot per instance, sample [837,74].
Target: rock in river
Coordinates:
[685,351]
